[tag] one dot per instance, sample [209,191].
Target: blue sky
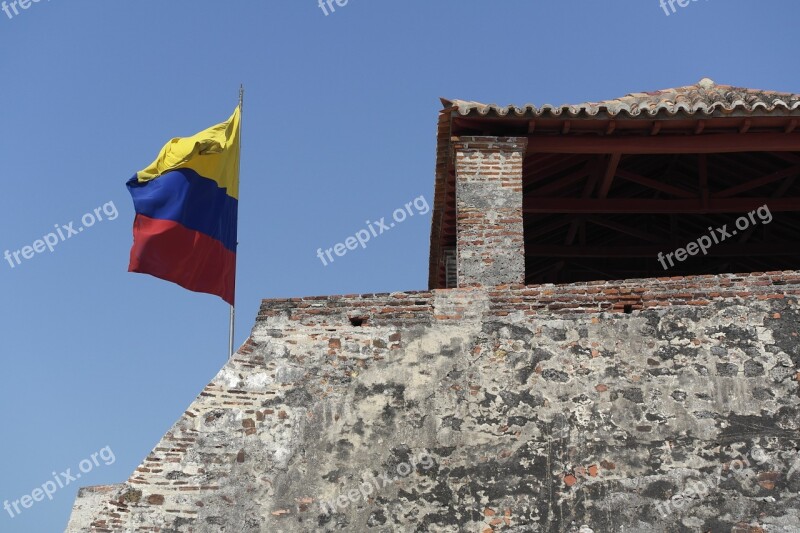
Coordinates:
[339,128]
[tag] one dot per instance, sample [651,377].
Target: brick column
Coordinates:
[490,242]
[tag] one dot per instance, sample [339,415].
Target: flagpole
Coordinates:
[230,335]
[233,309]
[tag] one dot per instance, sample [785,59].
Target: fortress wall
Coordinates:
[517,409]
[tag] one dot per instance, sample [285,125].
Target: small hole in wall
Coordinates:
[628,309]
[358,321]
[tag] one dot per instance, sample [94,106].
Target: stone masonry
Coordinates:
[491,245]
[506,409]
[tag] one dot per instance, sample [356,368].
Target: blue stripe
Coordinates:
[185,197]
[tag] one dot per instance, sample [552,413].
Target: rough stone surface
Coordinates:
[490,235]
[509,409]
[88,501]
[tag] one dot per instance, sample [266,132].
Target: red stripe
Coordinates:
[169,251]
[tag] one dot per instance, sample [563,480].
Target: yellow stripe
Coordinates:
[212,153]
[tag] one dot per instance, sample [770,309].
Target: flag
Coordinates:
[187,204]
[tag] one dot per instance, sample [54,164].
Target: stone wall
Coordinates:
[636,406]
[490,240]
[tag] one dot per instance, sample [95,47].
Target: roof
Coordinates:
[692,103]
[705,97]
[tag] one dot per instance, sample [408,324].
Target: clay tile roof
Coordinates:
[705,97]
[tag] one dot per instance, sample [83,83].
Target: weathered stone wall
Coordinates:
[489,231]
[508,409]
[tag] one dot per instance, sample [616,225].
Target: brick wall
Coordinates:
[490,240]
[406,309]
[638,294]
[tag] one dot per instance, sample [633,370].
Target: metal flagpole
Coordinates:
[230,337]
[233,309]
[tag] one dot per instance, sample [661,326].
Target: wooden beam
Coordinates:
[650,206]
[540,171]
[788,157]
[608,177]
[655,184]
[664,144]
[594,176]
[745,126]
[758,182]
[702,168]
[572,232]
[716,250]
[740,166]
[656,128]
[546,269]
[539,230]
[785,186]
[745,235]
[562,182]
[701,125]
[627,229]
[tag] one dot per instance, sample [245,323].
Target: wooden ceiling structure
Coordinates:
[608,186]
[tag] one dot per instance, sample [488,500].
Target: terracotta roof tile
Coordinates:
[706,97]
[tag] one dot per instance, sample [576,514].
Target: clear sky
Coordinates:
[339,128]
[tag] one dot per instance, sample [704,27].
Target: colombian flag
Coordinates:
[186,204]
